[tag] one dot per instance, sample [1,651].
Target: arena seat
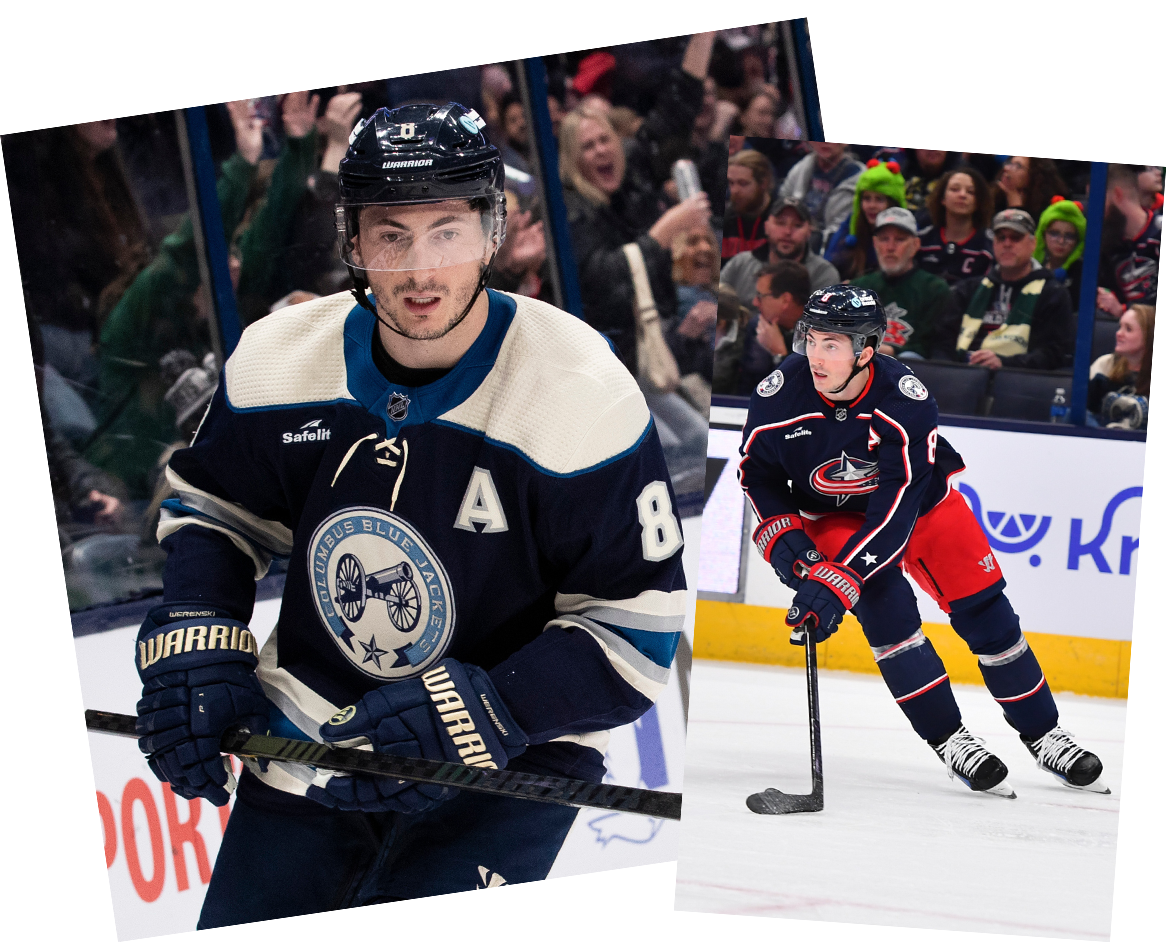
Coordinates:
[1104,332]
[957,388]
[1026,394]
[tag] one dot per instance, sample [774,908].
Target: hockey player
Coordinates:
[484,563]
[844,465]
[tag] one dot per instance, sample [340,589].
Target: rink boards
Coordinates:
[1061,513]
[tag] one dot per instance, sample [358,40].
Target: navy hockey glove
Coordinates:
[451,713]
[784,545]
[828,592]
[197,666]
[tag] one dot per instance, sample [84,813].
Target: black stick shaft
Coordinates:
[558,791]
[815,716]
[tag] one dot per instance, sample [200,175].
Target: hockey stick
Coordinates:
[558,791]
[772,801]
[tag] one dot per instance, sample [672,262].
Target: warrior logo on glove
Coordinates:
[382,592]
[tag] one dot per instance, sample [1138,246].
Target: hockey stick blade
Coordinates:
[772,801]
[557,791]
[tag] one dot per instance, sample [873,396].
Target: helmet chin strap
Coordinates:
[854,371]
[360,286]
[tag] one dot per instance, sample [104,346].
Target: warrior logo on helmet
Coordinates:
[413,155]
[843,309]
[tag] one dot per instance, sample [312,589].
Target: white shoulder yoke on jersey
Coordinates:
[557,394]
[291,357]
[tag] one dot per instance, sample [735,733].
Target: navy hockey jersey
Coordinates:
[955,261]
[880,455]
[1131,269]
[516,514]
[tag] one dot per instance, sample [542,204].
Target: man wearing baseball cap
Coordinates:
[1017,315]
[787,236]
[913,298]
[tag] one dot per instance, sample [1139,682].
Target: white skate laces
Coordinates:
[963,753]
[967,759]
[1058,753]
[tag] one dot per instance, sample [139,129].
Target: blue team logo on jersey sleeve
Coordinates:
[771,384]
[383,593]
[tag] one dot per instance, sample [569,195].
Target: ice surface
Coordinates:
[898,843]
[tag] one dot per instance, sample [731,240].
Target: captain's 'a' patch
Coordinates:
[481,505]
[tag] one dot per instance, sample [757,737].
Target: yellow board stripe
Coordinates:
[728,631]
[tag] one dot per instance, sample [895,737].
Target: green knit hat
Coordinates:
[1065,211]
[878,178]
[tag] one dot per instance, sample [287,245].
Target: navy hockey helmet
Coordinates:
[843,309]
[420,154]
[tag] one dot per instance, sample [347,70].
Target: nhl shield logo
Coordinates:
[398,407]
[383,593]
[771,384]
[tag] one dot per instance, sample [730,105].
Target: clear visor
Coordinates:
[418,236]
[820,345]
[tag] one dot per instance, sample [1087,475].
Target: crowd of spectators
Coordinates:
[116,278]
[977,259]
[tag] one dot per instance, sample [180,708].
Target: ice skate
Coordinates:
[965,757]
[1058,753]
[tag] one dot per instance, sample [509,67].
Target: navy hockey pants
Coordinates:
[277,862]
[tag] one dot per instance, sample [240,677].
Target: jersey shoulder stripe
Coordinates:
[557,395]
[292,357]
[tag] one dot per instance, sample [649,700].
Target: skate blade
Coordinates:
[1097,786]
[772,801]
[1003,790]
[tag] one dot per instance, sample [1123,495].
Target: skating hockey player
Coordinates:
[844,465]
[484,561]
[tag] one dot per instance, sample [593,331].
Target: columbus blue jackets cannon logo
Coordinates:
[394,585]
[383,593]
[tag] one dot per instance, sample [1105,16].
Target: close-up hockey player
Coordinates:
[844,465]
[484,560]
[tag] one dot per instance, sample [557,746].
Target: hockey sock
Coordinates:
[918,681]
[1018,684]
[1010,669]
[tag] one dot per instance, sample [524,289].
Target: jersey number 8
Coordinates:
[661,531]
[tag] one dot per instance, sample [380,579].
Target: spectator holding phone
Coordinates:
[958,242]
[613,197]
